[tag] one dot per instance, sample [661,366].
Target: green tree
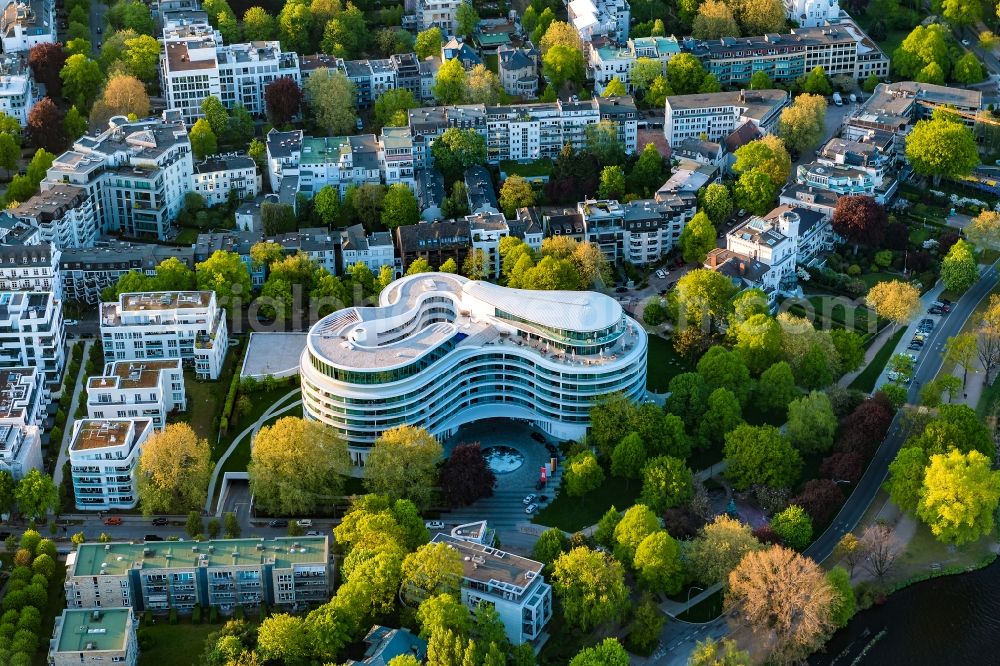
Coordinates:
[563,64]
[7,487]
[258,25]
[711,652]
[960,496]
[629,457]
[74,124]
[604,533]
[82,80]
[583,474]
[802,125]
[441,612]
[466,19]
[923,46]
[959,269]
[429,43]
[225,274]
[614,88]
[702,296]
[326,203]
[203,139]
[215,114]
[174,470]
[516,192]
[812,423]
[607,653]
[433,569]
[400,207]
[591,587]
[716,203]
[758,340]
[941,147]
[815,371]
[685,73]
[332,99]
[551,544]
[968,69]
[283,638]
[761,454]
[667,482]
[688,398]
[294,26]
[718,548]
[767,155]
[392,105]
[794,526]
[482,86]
[755,191]
[722,368]
[648,173]
[644,72]
[456,150]
[36,495]
[403,464]
[845,606]
[697,239]
[449,84]
[636,524]
[761,81]
[612,185]
[603,142]
[723,415]
[817,83]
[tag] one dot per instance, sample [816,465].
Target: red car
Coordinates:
[113,520]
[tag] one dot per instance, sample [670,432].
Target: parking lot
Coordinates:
[921,337]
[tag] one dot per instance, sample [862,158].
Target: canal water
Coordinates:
[947,620]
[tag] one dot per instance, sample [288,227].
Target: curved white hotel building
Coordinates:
[441,350]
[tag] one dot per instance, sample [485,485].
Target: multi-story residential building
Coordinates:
[596,18]
[339,161]
[513,585]
[456,48]
[811,231]
[809,198]
[428,75]
[85,272]
[104,460]
[65,216]
[284,149]
[30,268]
[195,64]
[868,154]
[133,389]
[317,243]
[395,156]
[813,13]
[31,332]
[454,351]
[639,232]
[434,242]
[703,152]
[529,227]
[842,49]
[215,177]
[428,123]
[479,190]
[188,325]
[487,229]
[94,637]
[292,572]
[27,23]
[843,180]
[518,67]
[608,60]
[20,450]
[430,194]
[408,76]
[437,13]
[374,250]
[893,108]
[714,116]
[23,396]
[17,87]
[135,173]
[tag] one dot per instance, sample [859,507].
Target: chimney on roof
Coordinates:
[743,268]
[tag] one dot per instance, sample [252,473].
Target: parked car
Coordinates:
[853,98]
[434,525]
[304,522]
[620,290]
[661,274]
[945,301]
[113,520]
[935,311]
[71,322]
[314,533]
[530,509]
[159,522]
[153,537]
[915,346]
[278,523]
[965,42]
[837,99]
[529,499]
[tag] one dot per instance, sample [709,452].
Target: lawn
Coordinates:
[205,399]
[824,315]
[541,167]
[871,279]
[174,644]
[187,236]
[240,458]
[866,380]
[662,364]
[259,403]
[492,63]
[572,514]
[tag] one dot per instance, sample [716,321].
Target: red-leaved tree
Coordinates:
[843,466]
[45,61]
[820,498]
[859,219]
[284,99]
[45,126]
[465,477]
[863,429]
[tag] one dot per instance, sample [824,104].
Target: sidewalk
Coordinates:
[57,473]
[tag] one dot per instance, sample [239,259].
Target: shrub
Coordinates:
[24,641]
[196,615]
[172,618]
[23,557]
[854,270]
[7,629]
[20,659]
[21,573]
[147,618]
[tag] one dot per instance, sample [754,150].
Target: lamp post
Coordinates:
[693,587]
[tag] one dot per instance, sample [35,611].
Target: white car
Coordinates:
[314,533]
[434,525]
[305,522]
[71,322]
[529,499]
[661,274]
[965,42]
[530,509]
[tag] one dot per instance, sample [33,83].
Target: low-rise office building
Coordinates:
[216,176]
[32,332]
[188,325]
[94,637]
[104,459]
[715,116]
[442,350]
[893,109]
[132,389]
[291,572]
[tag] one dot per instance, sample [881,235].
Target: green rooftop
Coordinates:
[105,632]
[119,558]
[492,38]
[323,149]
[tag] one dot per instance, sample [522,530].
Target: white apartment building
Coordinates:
[216,176]
[195,64]
[284,149]
[17,87]
[292,572]
[317,243]
[441,350]
[138,389]
[30,268]
[65,215]
[31,332]
[374,250]
[595,18]
[486,230]
[87,271]
[20,449]
[104,457]
[714,116]
[23,398]
[845,180]
[135,173]
[813,13]
[437,13]
[339,161]
[607,60]
[94,637]
[513,585]
[188,325]
[27,23]
[395,156]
